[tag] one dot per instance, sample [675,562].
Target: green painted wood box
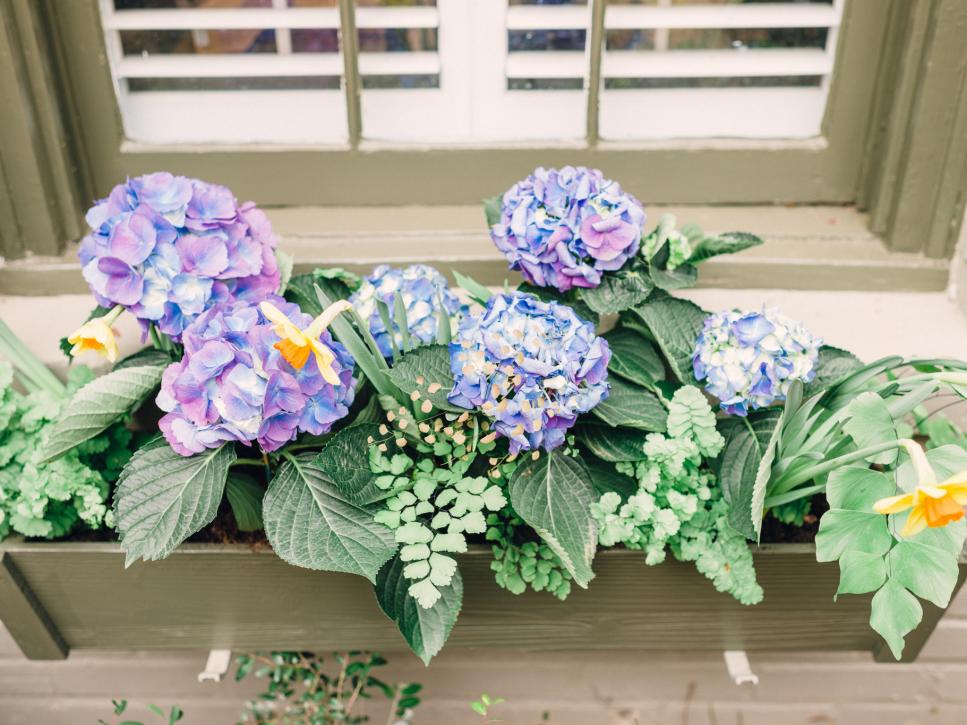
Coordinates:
[55,597]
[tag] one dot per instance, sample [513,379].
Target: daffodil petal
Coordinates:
[916,522]
[932,491]
[894,504]
[322,322]
[958,479]
[958,491]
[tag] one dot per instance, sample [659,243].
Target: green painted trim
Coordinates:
[815,171]
[38,167]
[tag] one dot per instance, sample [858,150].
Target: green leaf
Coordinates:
[162,497]
[927,571]
[861,572]
[833,365]
[553,495]
[245,495]
[894,614]
[344,460]
[683,276]
[606,479]
[423,368]
[425,630]
[285,263]
[151,356]
[726,243]
[857,488]
[609,443]
[492,205]
[746,443]
[478,292]
[617,292]
[841,531]
[631,406]
[946,461]
[870,424]
[98,405]
[761,483]
[310,522]
[634,357]
[675,325]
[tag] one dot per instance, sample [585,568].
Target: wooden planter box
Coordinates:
[58,596]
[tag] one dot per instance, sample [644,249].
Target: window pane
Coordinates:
[545,84]
[730,82]
[714,2]
[321,40]
[548,2]
[383,40]
[163,42]
[395,3]
[332,83]
[384,82]
[546,39]
[187,4]
[719,38]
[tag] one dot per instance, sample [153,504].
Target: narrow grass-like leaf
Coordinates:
[478,292]
[399,312]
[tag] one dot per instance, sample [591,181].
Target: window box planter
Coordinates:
[55,597]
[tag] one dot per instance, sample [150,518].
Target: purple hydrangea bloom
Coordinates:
[423,290]
[563,227]
[749,359]
[167,248]
[233,385]
[530,366]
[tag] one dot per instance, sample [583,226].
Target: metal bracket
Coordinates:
[737,663]
[216,666]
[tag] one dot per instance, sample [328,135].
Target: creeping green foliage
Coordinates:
[679,506]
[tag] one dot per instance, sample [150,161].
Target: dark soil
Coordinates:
[223,530]
[776,532]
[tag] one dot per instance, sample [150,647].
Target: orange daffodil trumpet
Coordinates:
[931,504]
[296,345]
[96,335]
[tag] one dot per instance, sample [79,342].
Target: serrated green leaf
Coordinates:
[492,205]
[725,243]
[609,443]
[841,531]
[761,483]
[245,495]
[151,356]
[553,495]
[856,488]
[746,443]
[927,571]
[861,572]
[617,292]
[833,365]
[606,479]
[631,406]
[675,325]
[431,365]
[870,424]
[634,357]
[100,404]
[311,523]
[162,497]
[301,290]
[894,614]
[425,630]
[345,461]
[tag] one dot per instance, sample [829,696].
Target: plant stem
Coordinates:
[807,474]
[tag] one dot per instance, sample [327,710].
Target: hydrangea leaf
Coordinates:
[245,497]
[310,522]
[618,291]
[553,495]
[675,324]
[301,289]
[607,479]
[669,276]
[856,488]
[841,531]
[631,406]
[747,441]
[343,461]
[895,613]
[163,497]
[725,243]
[492,205]
[425,629]
[861,572]
[927,571]
[834,364]
[147,356]
[870,424]
[611,444]
[98,405]
[426,371]
[633,357]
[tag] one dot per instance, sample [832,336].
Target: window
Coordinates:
[456,71]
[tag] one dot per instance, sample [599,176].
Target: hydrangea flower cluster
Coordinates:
[168,247]
[424,292]
[563,227]
[530,366]
[233,384]
[749,359]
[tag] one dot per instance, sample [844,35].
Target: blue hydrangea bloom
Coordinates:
[167,248]
[233,384]
[563,227]
[422,288]
[749,359]
[530,366]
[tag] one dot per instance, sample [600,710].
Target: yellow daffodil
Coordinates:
[931,504]
[296,345]
[97,335]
